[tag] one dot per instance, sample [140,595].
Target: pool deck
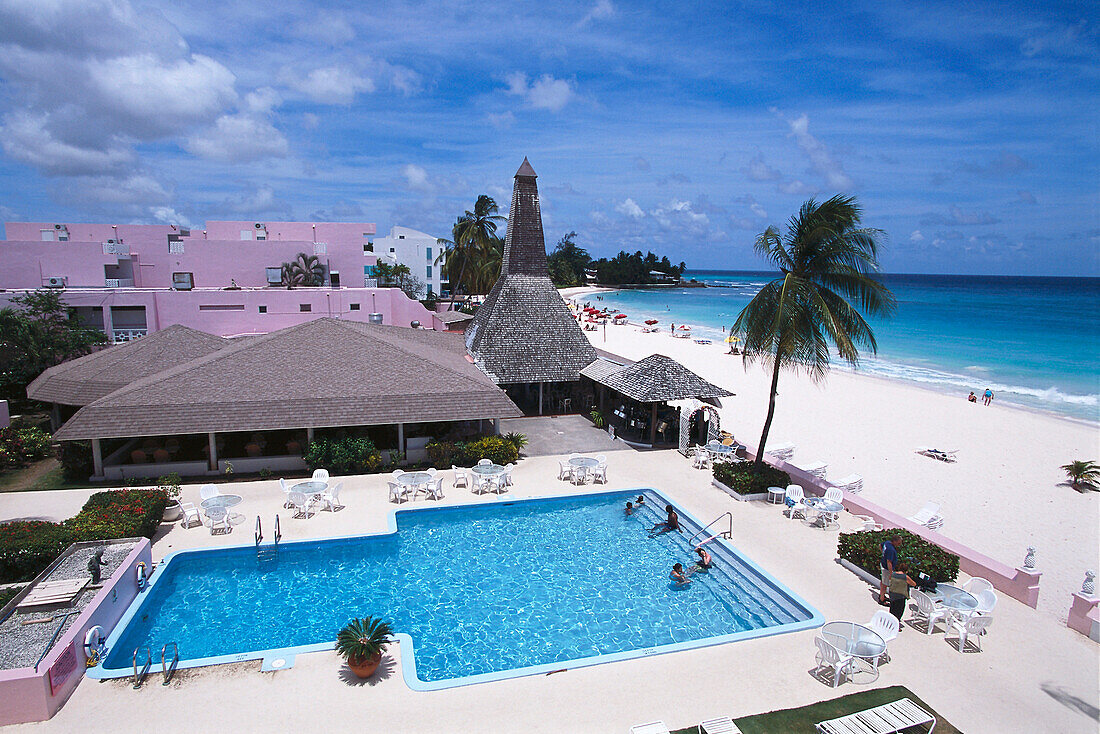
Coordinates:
[1034,674]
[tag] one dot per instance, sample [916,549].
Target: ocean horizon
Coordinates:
[1031,340]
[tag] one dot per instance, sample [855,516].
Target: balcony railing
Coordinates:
[119,336]
[116,248]
[370,282]
[118,282]
[320,248]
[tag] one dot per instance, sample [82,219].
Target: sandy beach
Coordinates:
[1006,491]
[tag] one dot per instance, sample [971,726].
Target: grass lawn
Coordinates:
[45,474]
[802,720]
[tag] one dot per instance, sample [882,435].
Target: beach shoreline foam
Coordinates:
[1005,493]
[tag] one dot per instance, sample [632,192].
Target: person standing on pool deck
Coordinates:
[988,397]
[888,562]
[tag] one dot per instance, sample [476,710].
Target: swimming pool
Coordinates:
[475,593]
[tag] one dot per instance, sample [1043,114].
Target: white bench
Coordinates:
[885,719]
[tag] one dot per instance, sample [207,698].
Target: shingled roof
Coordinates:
[87,379]
[524,332]
[323,373]
[656,378]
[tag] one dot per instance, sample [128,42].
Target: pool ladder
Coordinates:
[139,676]
[166,668]
[267,552]
[727,533]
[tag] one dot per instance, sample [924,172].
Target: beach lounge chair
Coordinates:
[320,475]
[887,627]
[972,627]
[948,456]
[190,514]
[928,611]
[928,516]
[398,492]
[829,657]
[816,468]
[207,491]
[721,725]
[460,477]
[977,585]
[889,718]
[653,727]
[783,451]
[852,483]
[795,495]
[331,497]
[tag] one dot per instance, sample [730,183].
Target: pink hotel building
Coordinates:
[130,280]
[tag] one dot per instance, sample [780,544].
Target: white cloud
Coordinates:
[631,209]
[502,120]
[822,161]
[758,170]
[168,215]
[26,137]
[239,138]
[545,93]
[262,100]
[758,210]
[416,178]
[253,203]
[133,194]
[148,88]
[329,85]
[602,10]
[326,27]
[795,187]
[916,236]
[680,214]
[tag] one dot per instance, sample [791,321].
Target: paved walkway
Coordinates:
[1033,674]
[561,434]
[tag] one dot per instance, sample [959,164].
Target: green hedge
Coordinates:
[344,455]
[19,446]
[29,546]
[864,549]
[76,460]
[740,477]
[497,449]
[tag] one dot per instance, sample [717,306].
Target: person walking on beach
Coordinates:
[988,397]
[972,398]
[888,562]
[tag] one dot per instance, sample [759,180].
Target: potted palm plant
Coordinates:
[170,485]
[361,643]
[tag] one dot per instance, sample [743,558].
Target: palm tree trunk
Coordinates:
[454,286]
[768,421]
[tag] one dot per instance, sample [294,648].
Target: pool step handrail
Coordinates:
[278,531]
[259,532]
[727,534]
[166,668]
[53,639]
[139,677]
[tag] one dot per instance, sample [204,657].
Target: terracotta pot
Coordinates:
[365,667]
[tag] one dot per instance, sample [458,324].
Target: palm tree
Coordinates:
[827,261]
[471,237]
[308,269]
[1083,474]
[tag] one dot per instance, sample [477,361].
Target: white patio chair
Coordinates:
[434,488]
[431,471]
[286,493]
[887,627]
[927,516]
[219,518]
[484,462]
[580,475]
[701,458]
[829,657]
[653,727]
[320,475]
[506,480]
[331,497]
[478,483]
[928,611]
[190,514]
[866,522]
[301,503]
[460,477]
[977,585]
[565,470]
[207,491]
[599,474]
[973,626]
[852,483]
[987,602]
[795,494]
[834,494]
[720,725]
[398,492]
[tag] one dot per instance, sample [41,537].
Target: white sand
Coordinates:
[1005,493]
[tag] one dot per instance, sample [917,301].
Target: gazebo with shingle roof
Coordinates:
[524,332]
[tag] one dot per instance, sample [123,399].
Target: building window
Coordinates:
[222,307]
[392,250]
[353,307]
[246,234]
[305,307]
[429,254]
[183,281]
[47,235]
[63,236]
[274,275]
[429,272]
[263,309]
[400,236]
[369,247]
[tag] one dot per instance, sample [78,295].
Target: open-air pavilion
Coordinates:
[256,403]
[643,400]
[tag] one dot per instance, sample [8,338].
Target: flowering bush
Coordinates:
[497,449]
[20,445]
[864,549]
[27,547]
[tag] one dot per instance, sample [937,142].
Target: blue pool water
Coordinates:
[479,590]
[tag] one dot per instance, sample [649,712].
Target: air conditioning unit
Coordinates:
[112,242]
[56,281]
[59,226]
[258,225]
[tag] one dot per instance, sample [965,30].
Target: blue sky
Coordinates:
[970,132]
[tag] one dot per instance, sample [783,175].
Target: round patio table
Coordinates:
[222,500]
[584,462]
[862,643]
[492,476]
[718,449]
[776,495]
[414,478]
[487,470]
[953,597]
[826,509]
[313,486]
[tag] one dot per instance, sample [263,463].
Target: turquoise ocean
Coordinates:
[1033,341]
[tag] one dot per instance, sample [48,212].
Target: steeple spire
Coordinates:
[524,247]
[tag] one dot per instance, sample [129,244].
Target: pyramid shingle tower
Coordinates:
[524,332]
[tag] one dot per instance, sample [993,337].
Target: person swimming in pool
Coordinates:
[672,522]
[629,508]
[705,561]
[640,501]
[679,576]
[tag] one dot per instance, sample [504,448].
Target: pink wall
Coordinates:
[1019,583]
[25,693]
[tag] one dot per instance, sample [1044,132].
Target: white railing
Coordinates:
[320,248]
[119,336]
[116,248]
[118,282]
[370,282]
[175,248]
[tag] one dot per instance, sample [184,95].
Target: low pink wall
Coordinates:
[1019,583]
[30,695]
[1084,615]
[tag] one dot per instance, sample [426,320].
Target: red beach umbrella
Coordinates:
[651,322]
[620,316]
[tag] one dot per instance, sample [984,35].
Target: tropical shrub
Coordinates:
[76,460]
[864,549]
[597,419]
[744,478]
[343,455]
[28,546]
[1083,475]
[516,439]
[21,445]
[362,639]
[446,453]
[497,449]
